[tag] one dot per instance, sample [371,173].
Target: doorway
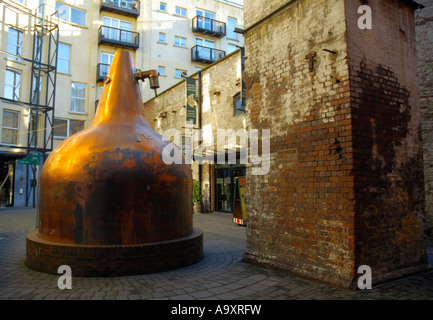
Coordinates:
[224,182]
[7,171]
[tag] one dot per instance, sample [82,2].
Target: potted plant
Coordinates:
[197,197]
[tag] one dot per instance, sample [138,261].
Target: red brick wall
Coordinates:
[332,126]
[389,181]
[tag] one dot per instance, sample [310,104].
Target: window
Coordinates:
[63,58]
[161,71]
[231,25]
[163,6]
[238,108]
[69,14]
[179,41]
[106,59]
[64,128]
[180,11]
[78,97]
[231,48]
[119,30]
[10,127]
[15,44]
[178,73]
[207,21]
[161,37]
[12,84]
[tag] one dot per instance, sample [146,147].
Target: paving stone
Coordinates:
[220,275]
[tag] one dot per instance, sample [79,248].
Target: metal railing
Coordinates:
[206,54]
[125,7]
[118,37]
[209,26]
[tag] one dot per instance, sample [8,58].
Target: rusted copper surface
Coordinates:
[108,184]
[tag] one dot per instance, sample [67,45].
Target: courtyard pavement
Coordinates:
[221,275]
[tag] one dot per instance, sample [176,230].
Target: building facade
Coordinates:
[219,111]
[50,85]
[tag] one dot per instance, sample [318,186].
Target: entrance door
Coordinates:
[223,179]
[224,182]
[6,183]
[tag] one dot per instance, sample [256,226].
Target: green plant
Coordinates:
[196,192]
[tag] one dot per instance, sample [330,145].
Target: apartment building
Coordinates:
[54,56]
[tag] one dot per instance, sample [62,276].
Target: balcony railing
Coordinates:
[209,26]
[206,54]
[102,71]
[130,8]
[119,37]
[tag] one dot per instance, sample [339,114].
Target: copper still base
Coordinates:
[108,203]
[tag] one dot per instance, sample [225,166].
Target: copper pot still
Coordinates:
[108,203]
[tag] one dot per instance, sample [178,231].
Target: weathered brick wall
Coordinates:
[301,214]
[345,186]
[424,34]
[389,185]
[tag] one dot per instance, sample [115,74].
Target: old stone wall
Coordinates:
[424,34]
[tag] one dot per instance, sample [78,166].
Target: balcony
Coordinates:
[130,8]
[208,26]
[102,71]
[119,37]
[205,54]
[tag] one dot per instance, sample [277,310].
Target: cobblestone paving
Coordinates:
[220,275]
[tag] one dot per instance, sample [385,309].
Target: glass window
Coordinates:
[181,11]
[15,44]
[75,126]
[10,127]
[161,71]
[179,41]
[205,19]
[231,25]
[69,14]
[12,84]
[178,73]
[231,48]
[60,128]
[237,104]
[162,6]
[161,37]
[63,58]
[78,97]
[64,128]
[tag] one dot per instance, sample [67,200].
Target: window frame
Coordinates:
[15,86]
[69,14]
[68,127]
[181,38]
[181,71]
[231,32]
[18,52]
[64,59]
[163,68]
[238,108]
[79,98]
[180,13]
[17,129]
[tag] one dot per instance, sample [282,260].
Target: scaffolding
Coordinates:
[40,105]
